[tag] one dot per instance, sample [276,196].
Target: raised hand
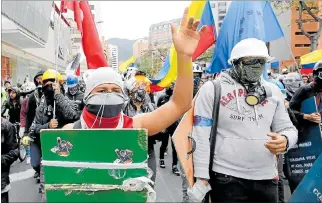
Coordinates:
[186,40]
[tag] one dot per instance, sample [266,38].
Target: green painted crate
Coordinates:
[82,165]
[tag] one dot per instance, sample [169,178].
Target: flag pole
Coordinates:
[56,55]
[289,47]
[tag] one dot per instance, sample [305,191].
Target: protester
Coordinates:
[168,133]
[7,85]
[13,104]
[33,103]
[306,120]
[104,88]
[74,93]
[247,104]
[305,92]
[138,104]
[53,91]
[26,89]
[292,82]
[197,73]
[305,79]
[9,154]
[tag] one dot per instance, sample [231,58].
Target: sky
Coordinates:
[132,19]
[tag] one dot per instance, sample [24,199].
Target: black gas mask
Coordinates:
[256,94]
[248,72]
[139,95]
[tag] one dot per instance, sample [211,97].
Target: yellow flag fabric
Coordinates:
[126,64]
[312,57]
[195,10]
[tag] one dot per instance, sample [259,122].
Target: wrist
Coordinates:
[287,142]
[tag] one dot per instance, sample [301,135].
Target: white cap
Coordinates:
[197,68]
[103,75]
[250,47]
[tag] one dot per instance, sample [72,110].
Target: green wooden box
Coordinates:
[91,165]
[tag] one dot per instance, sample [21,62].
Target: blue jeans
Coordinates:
[185,185]
[35,156]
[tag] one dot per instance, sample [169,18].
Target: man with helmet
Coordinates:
[74,93]
[53,94]
[25,90]
[252,128]
[309,90]
[312,89]
[138,85]
[197,74]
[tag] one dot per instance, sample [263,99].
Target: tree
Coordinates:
[153,60]
[304,7]
[207,55]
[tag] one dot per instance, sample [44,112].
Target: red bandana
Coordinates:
[112,122]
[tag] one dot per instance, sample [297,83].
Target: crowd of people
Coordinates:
[252,127]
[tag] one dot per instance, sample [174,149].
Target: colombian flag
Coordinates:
[199,10]
[128,63]
[309,60]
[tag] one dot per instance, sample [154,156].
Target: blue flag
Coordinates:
[244,19]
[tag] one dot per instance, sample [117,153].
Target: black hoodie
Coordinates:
[33,102]
[14,108]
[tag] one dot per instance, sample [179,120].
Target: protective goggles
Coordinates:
[253,61]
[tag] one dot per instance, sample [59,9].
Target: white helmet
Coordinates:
[197,68]
[250,47]
[27,87]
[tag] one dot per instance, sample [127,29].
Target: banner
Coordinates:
[301,158]
[310,189]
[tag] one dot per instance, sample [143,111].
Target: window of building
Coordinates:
[77,40]
[92,7]
[221,18]
[302,45]
[221,4]
[219,25]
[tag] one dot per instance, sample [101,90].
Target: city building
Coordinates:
[294,40]
[300,44]
[140,47]
[160,33]
[29,39]
[219,10]
[113,56]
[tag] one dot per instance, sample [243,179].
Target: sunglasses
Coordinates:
[253,61]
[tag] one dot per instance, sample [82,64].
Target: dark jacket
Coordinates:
[299,96]
[78,100]
[65,113]
[9,151]
[162,100]
[14,109]
[131,111]
[33,103]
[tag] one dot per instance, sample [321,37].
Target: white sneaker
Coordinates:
[28,160]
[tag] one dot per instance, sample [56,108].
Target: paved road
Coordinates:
[168,186]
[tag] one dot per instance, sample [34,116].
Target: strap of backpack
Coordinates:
[215,113]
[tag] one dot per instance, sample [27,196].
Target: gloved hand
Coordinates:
[25,140]
[198,192]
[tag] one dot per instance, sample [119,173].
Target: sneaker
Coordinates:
[175,171]
[36,175]
[41,189]
[28,160]
[166,152]
[162,164]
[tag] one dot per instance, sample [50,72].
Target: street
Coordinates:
[168,186]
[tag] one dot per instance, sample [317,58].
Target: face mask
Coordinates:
[48,91]
[105,105]
[73,90]
[169,91]
[139,95]
[249,72]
